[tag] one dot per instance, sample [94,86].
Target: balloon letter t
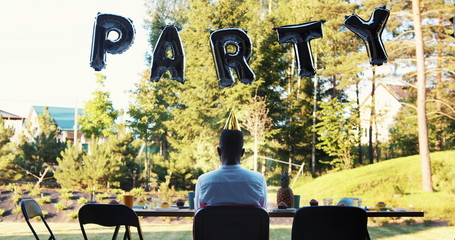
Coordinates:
[104,25]
[301,35]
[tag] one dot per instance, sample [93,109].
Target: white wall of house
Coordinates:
[387,106]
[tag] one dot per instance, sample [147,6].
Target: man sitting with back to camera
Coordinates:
[231,184]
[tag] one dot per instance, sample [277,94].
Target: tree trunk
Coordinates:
[255,164]
[359,126]
[421,104]
[372,117]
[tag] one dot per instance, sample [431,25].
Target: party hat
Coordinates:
[231,123]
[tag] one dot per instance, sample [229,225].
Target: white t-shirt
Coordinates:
[231,185]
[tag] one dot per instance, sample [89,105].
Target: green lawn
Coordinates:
[70,231]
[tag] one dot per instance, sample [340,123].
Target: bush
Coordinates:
[17,209]
[60,206]
[16,198]
[35,192]
[65,191]
[83,200]
[28,187]
[43,200]
[10,187]
[101,196]
[18,190]
[72,215]
[116,191]
[2,211]
[67,196]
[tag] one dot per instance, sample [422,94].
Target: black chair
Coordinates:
[109,215]
[31,209]
[231,223]
[330,222]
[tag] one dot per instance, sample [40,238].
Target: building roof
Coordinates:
[64,116]
[8,115]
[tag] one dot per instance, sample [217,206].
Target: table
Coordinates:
[394,212]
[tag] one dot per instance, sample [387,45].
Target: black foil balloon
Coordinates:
[238,39]
[105,24]
[301,35]
[370,32]
[169,40]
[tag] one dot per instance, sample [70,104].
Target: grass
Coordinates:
[396,182]
[70,231]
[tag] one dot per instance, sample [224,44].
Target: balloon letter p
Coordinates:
[104,25]
[370,32]
[231,48]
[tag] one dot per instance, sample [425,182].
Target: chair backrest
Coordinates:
[231,222]
[330,222]
[31,209]
[109,215]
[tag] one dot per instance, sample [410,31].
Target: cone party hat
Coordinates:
[231,123]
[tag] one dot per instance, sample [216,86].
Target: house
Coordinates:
[64,117]
[14,121]
[387,105]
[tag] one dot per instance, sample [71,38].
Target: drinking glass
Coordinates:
[357,202]
[327,201]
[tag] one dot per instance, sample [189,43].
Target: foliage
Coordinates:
[82,201]
[43,199]
[337,132]
[73,215]
[380,181]
[116,191]
[99,113]
[35,192]
[101,196]
[16,198]
[60,206]
[37,154]
[17,209]
[2,211]
[70,168]
[7,153]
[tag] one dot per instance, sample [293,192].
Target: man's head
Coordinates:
[231,147]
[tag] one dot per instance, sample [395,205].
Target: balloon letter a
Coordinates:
[168,55]
[370,32]
[231,48]
[301,35]
[104,24]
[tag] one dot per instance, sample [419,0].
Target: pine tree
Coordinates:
[99,113]
[7,153]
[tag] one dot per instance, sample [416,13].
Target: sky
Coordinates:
[45,53]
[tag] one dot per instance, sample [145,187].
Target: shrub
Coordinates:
[17,209]
[67,196]
[44,200]
[72,215]
[35,192]
[139,194]
[65,191]
[101,196]
[60,206]
[18,190]
[10,187]
[116,191]
[83,200]
[16,198]
[2,211]
[28,187]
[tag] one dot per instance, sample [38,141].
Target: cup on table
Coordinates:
[357,202]
[296,201]
[128,200]
[327,201]
[191,199]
